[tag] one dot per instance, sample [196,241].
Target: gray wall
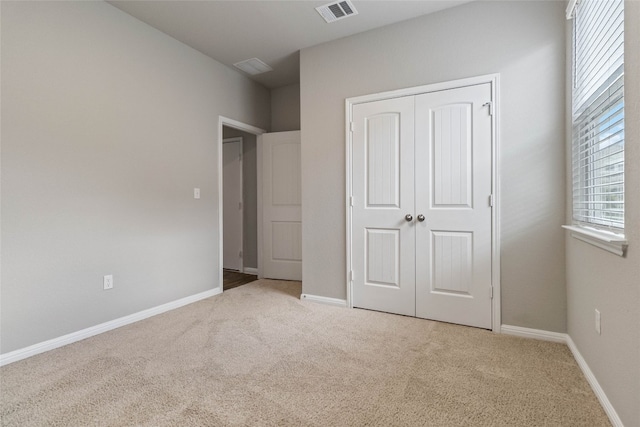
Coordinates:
[285,108]
[525,42]
[597,279]
[250,195]
[107,126]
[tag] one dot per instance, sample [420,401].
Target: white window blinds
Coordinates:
[598,113]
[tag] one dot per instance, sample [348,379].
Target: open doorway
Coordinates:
[232,203]
[239,201]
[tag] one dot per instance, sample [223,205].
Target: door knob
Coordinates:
[420,217]
[408,217]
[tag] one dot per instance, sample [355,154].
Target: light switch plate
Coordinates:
[196,193]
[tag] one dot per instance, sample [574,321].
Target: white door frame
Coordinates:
[494,80]
[224,121]
[237,139]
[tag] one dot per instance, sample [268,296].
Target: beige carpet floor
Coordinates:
[257,355]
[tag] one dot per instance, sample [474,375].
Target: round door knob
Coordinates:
[420,217]
[408,217]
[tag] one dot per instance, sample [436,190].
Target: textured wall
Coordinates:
[285,108]
[525,43]
[597,279]
[107,126]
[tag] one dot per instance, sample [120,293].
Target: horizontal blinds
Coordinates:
[598,114]
[598,48]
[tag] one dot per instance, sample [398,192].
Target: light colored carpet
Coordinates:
[257,355]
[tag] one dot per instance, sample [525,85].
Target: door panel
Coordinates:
[383,242]
[286,241]
[383,150]
[285,167]
[453,243]
[452,172]
[282,210]
[382,257]
[452,261]
[232,204]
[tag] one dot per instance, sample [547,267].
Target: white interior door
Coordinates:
[421,242]
[383,241]
[232,203]
[453,242]
[281,206]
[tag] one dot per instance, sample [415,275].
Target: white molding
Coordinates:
[496,167]
[537,334]
[612,242]
[259,158]
[586,371]
[494,80]
[348,194]
[240,126]
[324,300]
[595,386]
[250,270]
[434,87]
[54,343]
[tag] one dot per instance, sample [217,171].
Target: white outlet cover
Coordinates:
[107,282]
[196,193]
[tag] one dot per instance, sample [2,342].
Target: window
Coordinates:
[598,114]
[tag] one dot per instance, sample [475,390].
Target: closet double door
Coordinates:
[421,207]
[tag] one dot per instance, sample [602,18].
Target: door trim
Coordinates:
[494,80]
[237,139]
[225,121]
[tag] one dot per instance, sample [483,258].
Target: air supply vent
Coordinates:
[335,11]
[253,66]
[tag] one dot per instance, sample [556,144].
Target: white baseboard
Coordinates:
[324,300]
[537,334]
[566,339]
[54,343]
[250,270]
[595,386]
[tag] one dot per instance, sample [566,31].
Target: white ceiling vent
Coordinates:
[339,10]
[253,66]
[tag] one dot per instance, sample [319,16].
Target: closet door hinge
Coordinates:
[351,201]
[491,292]
[240,254]
[491,200]
[352,126]
[351,276]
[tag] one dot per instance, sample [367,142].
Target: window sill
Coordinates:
[614,243]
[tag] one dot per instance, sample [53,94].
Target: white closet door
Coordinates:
[282,208]
[232,204]
[453,242]
[383,240]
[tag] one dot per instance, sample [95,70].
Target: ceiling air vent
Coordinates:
[334,11]
[253,66]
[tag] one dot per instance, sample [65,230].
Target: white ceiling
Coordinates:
[274,31]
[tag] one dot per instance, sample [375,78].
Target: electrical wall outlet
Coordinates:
[108,282]
[598,317]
